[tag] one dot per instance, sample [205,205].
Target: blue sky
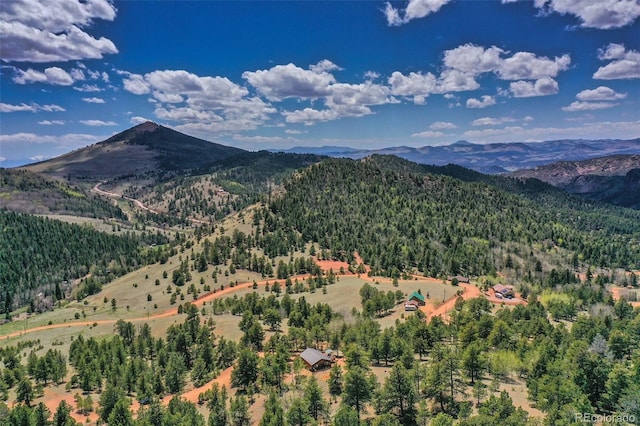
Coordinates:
[278,74]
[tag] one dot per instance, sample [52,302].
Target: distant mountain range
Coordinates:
[492,158]
[613,179]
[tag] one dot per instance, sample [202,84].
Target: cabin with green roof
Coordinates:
[417,297]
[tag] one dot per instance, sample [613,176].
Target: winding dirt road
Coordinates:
[138,203]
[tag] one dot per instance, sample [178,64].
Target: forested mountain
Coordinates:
[399,220]
[146,148]
[27,192]
[613,179]
[39,255]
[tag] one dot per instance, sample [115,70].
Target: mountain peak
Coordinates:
[147,126]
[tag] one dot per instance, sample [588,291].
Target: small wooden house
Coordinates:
[417,297]
[411,305]
[503,291]
[315,360]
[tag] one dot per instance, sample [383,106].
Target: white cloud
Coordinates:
[290,81]
[371,75]
[51,108]
[310,116]
[416,85]
[527,89]
[138,120]
[202,104]
[442,125]
[602,93]
[98,123]
[3,159]
[93,100]
[16,108]
[427,134]
[77,74]
[323,66]
[453,80]
[473,59]
[528,66]
[31,32]
[30,108]
[136,84]
[415,9]
[481,103]
[50,122]
[625,64]
[600,14]
[52,75]
[588,106]
[491,121]
[71,139]
[294,132]
[88,88]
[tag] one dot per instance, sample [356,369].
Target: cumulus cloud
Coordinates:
[602,93]
[98,123]
[474,59]
[138,120]
[317,83]
[416,85]
[30,32]
[136,84]
[52,75]
[464,64]
[427,134]
[71,139]
[442,125]
[50,122]
[16,108]
[88,88]
[93,100]
[290,81]
[601,14]
[625,64]
[486,101]
[415,9]
[528,66]
[491,121]
[202,104]
[588,106]
[30,107]
[527,89]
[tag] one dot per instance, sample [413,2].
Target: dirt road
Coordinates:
[138,203]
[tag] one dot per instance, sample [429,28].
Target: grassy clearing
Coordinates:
[547,297]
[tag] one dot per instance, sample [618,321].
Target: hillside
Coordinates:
[399,221]
[142,149]
[611,179]
[28,192]
[222,318]
[40,256]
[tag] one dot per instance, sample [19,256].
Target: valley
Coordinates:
[188,292]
